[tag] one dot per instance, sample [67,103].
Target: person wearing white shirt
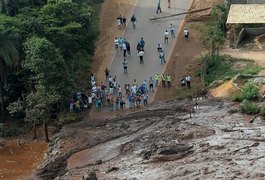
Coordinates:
[166,37]
[116,43]
[186,33]
[124,47]
[188,80]
[171,29]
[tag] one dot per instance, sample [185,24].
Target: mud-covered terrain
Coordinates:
[161,142]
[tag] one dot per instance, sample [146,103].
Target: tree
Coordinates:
[49,77]
[8,57]
[216,29]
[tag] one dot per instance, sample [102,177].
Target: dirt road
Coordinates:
[153,33]
[257,56]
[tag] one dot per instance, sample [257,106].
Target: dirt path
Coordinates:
[123,145]
[104,53]
[257,56]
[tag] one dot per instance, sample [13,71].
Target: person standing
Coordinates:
[125,66]
[186,34]
[183,82]
[188,80]
[121,103]
[71,104]
[151,84]
[138,47]
[141,56]
[158,9]
[111,103]
[124,47]
[107,71]
[142,43]
[111,89]
[110,80]
[168,81]
[171,29]
[145,99]
[116,43]
[128,47]
[130,101]
[157,78]
[169,3]
[133,89]
[163,79]
[119,21]
[117,103]
[162,57]
[166,37]
[119,91]
[124,21]
[134,83]
[120,40]
[159,47]
[133,20]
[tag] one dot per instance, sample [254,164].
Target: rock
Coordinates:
[99,162]
[174,149]
[91,176]
[113,169]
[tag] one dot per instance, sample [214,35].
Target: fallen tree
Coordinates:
[178,14]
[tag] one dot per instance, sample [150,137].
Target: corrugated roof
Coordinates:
[246,14]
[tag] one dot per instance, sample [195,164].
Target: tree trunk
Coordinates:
[46,131]
[2,120]
[34,130]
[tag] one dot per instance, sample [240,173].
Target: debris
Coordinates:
[112,169]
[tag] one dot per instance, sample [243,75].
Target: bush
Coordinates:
[262,110]
[232,111]
[248,92]
[249,107]
[9,132]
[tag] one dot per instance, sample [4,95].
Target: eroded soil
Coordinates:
[162,142]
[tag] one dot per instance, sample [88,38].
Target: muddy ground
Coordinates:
[162,142]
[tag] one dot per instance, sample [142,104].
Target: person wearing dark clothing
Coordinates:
[158,9]
[124,21]
[128,48]
[142,43]
[133,20]
[138,47]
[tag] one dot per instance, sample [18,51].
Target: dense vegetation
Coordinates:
[44,47]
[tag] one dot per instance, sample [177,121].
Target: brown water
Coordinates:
[19,161]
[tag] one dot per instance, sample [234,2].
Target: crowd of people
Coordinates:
[115,96]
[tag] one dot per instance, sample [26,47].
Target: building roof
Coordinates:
[246,14]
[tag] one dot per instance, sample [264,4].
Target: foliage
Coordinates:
[10,132]
[249,107]
[216,67]
[214,31]
[46,47]
[262,110]
[248,92]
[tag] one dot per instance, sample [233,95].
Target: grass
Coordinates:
[249,107]
[248,92]
[221,67]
